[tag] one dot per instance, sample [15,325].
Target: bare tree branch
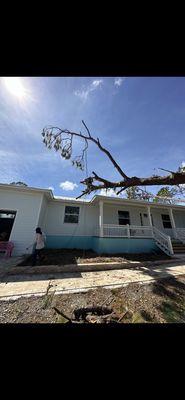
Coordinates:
[86,128]
[71,134]
[62,140]
[167,170]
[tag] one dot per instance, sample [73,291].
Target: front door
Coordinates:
[6,223]
[145,220]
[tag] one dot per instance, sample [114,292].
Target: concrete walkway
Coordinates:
[74,282]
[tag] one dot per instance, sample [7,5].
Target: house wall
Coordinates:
[43,214]
[55,226]
[33,209]
[110,214]
[27,206]
[179,217]
[124,245]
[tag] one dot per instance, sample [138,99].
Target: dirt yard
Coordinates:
[158,302]
[74,256]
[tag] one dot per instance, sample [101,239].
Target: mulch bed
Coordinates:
[74,256]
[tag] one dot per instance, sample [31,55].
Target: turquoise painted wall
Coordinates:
[69,242]
[102,245]
[124,245]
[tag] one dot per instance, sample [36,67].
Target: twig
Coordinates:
[86,128]
[107,300]
[122,316]
[61,313]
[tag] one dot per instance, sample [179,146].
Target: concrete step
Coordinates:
[179,245]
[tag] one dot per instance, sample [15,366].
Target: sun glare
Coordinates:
[15,86]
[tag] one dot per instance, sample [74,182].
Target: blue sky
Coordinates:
[141,120]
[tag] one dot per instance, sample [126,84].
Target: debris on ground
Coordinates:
[157,302]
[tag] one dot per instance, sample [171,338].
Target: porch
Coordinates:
[159,223]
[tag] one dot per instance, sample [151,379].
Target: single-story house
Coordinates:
[103,224]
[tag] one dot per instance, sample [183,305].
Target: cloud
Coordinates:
[118,81]
[108,192]
[67,185]
[183,164]
[84,93]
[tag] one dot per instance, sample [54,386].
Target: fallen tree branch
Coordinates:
[62,139]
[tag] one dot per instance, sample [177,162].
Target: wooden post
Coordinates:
[150,219]
[101,219]
[149,216]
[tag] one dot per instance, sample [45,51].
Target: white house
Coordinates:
[103,224]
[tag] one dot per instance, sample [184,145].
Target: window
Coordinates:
[166,221]
[71,215]
[124,217]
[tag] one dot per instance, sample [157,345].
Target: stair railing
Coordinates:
[163,241]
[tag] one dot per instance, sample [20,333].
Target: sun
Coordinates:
[15,86]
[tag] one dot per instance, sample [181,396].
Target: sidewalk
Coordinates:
[27,285]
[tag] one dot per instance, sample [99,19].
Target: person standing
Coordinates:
[39,245]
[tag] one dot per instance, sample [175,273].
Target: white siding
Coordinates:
[43,213]
[54,224]
[110,214]
[27,207]
[179,217]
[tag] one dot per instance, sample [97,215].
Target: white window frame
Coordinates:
[71,223]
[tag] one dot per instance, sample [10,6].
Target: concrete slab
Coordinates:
[75,282]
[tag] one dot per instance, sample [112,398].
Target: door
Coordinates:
[145,222]
[7,218]
[144,219]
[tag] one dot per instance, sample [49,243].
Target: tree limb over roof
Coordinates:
[62,140]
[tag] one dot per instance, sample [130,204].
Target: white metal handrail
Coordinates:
[163,241]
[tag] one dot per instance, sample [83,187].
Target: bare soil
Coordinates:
[74,256]
[158,302]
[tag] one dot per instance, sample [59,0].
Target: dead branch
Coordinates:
[62,314]
[95,182]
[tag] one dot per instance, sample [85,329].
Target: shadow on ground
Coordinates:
[74,256]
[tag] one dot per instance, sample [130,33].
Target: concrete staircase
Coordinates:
[178,246]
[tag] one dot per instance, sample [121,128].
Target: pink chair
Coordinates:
[7,247]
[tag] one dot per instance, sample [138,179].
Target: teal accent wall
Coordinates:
[69,242]
[102,245]
[124,245]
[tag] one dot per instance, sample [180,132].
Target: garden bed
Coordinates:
[75,256]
